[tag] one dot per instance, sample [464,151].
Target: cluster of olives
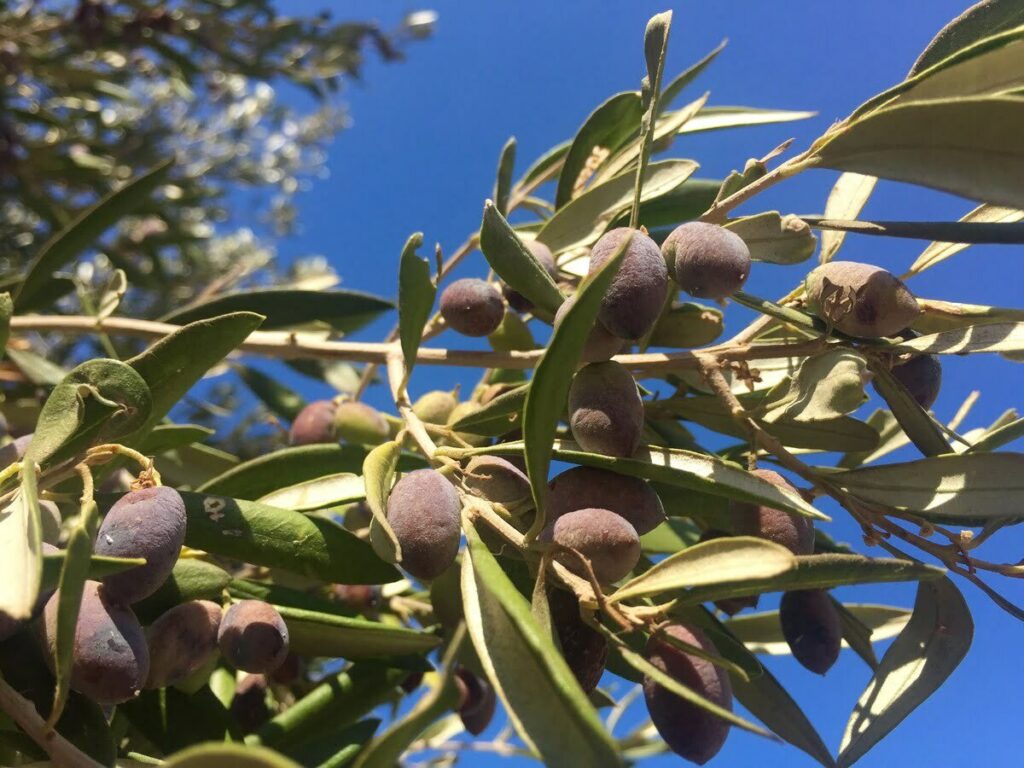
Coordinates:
[114,658]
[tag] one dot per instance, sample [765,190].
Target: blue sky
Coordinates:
[421,155]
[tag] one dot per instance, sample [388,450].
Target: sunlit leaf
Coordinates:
[762,632]
[776,239]
[847,199]
[503,180]
[416,293]
[981,20]
[378,476]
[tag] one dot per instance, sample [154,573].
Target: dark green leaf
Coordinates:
[514,263]
[283,402]
[191,579]
[416,293]
[683,79]
[335,748]
[966,146]
[944,231]
[216,755]
[84,231]
[6,310]
[100,566]
[167,437]
[498,417]
[545,166]
[313,633]
[547,395]
[172,365]
[981,20]
[503,181]
[918,425]
[687,201]
[344,311]
[655,49]
[543,699]
[916,664]
[279,538]
[290,466]
[37,368]
[607,128]
[964,489]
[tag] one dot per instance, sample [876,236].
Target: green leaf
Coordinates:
[326,491]
[77,562]
[583,220]
[648,670]
[379,470]
[416,293]
[716,118]
[343,311]
[343,698]
[966,146]
[687,324]
[314,633]
[890,438]
[687,201]
[191,579]
[822,571]
[213,755]
[981,20]
[168,437]
[172,365]
[194,464]
[986,221]
[498,417]
[918,425]
[545,166]
[971,339]
[37,368]
[999,437]
[84,231]
[826,386]
[98,400]
[547,395]
[279,399]
[916,664]
[544,701]
[6,311]
[683,79]
[774,238]
[985,224]
[711,562]
[335,748]
[655,50]
[607,128]
[100,566]
[443,696]
[846,200]
[514,263]
[21,556]
[279,538]
[503,181]
[990,66]
[290,466]
[762,632]
[683,469]
[965,489]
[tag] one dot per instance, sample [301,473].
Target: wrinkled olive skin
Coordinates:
[635,297]
[423,510]
[147,523]
[497,479]
[181,641]
[629,497]
[314,424]
[708,261]
[688,730]
[477,701]
[606,414]
[601,344]
[584,649]
[860,299]
[360,424]
[253,637]
[609,542]
[542,254]
[810,624]
[794,532]
[110,658]
[472,307]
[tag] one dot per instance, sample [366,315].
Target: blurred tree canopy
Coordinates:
[95,93]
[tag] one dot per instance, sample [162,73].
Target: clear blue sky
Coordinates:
[421,154]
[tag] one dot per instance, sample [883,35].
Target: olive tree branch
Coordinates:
[717,213]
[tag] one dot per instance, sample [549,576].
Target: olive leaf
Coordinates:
[281,400]
[940,316]
[774,238]
[826,386]
[717,118]
[971,339]
[544,701]
[920,660]
[21,557]
[498,416]
[981,20]
[6,312]
[209,754]
[329,635]
[324,491]
[503,180]
[379,469]
[416,293]
[847,199]
[762,632]
[965,489]
[917,424]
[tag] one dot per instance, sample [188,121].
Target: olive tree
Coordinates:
[373,587]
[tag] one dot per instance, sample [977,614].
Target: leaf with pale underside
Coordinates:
[325,491]
[416,293]
[938,252]
[920,660]
[774,238]
[826,386]
[847,199]
[762,632]
[727,559]
[379,469]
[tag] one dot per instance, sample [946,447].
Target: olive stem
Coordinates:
[396,378]
[24,713]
